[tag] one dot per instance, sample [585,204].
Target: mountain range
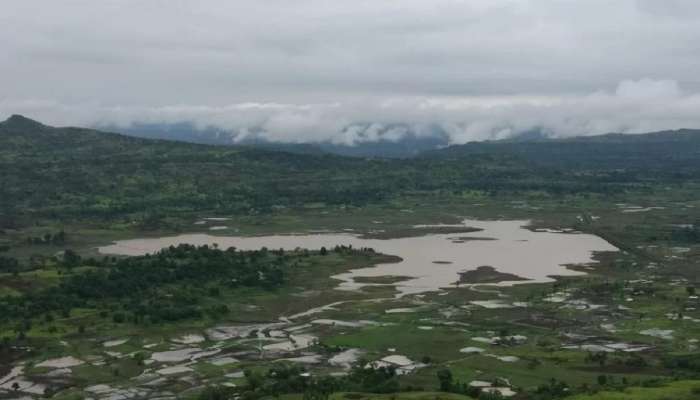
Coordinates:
[381,143]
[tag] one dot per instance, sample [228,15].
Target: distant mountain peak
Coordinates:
[20,121]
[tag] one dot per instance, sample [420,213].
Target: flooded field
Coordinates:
[430,262]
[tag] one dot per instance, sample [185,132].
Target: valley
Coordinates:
[350,200]
[449,293]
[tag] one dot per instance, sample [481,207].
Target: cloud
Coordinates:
[349,72]
[683,9]
[648,90]
[632,107]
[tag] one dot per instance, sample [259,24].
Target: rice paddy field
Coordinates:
[622,325]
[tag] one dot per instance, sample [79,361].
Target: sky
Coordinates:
[349,71]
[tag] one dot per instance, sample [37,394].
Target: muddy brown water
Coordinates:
[535,256]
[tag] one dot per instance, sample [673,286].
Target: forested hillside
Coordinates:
[668,152]
[78,172]
[74,173]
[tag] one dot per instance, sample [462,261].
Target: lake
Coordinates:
[430,262]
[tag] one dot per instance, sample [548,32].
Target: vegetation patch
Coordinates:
[487,274]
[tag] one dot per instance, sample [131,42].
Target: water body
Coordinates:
[535,256]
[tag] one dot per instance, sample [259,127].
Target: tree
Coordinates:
[445,378]
[118,317]
[254,378]
[70,258]
[139,358]
[602,380]
[9,264]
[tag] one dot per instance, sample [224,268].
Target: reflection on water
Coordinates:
[515,250]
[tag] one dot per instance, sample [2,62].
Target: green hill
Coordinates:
[65,172]
[677,151]
[69,173]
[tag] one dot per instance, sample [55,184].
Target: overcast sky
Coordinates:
[307,70]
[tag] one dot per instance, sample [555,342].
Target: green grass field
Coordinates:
[681,390]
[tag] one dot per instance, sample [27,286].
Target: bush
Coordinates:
[118,318]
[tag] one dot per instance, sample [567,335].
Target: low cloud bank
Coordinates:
[634,106]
